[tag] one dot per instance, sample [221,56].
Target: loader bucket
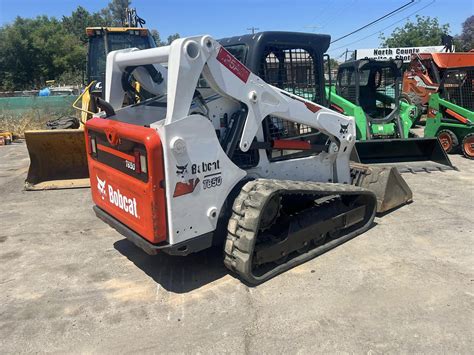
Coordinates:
[385,182]
[57,159]
[407,155]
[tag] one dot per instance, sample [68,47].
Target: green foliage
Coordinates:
[156,36]
[80,19]
[465,41]
[333,65]
[33,50]
[114,13]
[426,31]
[171,38]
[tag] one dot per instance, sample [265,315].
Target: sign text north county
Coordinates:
[403,53]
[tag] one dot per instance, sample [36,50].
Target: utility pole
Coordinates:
[346,52]
[253,29]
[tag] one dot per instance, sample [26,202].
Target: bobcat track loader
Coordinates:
[195,165]
[57,156]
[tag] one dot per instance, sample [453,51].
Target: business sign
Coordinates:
[403,53]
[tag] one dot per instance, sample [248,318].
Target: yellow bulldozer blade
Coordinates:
[57,159]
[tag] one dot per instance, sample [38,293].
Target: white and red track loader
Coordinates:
[190,167]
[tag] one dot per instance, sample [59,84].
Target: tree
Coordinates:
[35,50]
[80,19]
[466,39]
[171,38]
[114,13]
[156,36]
[43,48]
[426,31]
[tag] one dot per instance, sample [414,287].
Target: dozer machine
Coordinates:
[218,155]
[369,90]
[444,84]
[57,156]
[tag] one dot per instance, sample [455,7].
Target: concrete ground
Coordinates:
[69,283]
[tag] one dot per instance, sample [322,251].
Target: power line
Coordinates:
[375,21]
[312,28]
[323,11]
[337,11]
[383,29]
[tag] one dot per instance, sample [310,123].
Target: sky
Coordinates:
[225,18]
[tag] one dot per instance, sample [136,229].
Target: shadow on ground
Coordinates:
[179,274]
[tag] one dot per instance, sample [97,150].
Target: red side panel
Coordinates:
[120,185]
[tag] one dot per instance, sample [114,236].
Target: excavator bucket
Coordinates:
[385,182]
[57,159]
[407,155]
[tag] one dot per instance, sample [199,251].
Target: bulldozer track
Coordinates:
[244,224]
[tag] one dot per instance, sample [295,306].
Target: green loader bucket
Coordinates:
[407,155]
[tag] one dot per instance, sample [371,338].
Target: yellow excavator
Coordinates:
[58,156]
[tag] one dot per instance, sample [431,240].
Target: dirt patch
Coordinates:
[10,255]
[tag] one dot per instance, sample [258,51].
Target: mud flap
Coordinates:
[57,159]
[386,183]
[407,155]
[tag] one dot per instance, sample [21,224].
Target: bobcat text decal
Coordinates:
[189,180]
[117,198]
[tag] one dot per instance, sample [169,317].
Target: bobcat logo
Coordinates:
[344,128]
[182,169]
[101,187]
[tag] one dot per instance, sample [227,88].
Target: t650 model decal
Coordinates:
[231,63]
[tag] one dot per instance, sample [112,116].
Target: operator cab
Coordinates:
[372,85]
[291,61]
[457,86]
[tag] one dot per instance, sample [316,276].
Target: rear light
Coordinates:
[140,162]
[93,145]
[138,169]
[143,163]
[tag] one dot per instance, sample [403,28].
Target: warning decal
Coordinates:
[231,63]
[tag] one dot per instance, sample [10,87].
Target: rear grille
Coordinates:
[121,156]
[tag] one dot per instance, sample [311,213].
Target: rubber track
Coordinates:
[243,225]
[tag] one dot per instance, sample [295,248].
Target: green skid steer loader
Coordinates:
[451,108]
[369,90]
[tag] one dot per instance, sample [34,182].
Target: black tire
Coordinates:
[448,140]
[468,146]
[413,99]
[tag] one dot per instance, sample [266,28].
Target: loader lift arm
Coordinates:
[230,78]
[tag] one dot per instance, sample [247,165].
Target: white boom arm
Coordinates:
[188,58]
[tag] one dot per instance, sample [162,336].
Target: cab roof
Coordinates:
[449,60]
[316,44]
